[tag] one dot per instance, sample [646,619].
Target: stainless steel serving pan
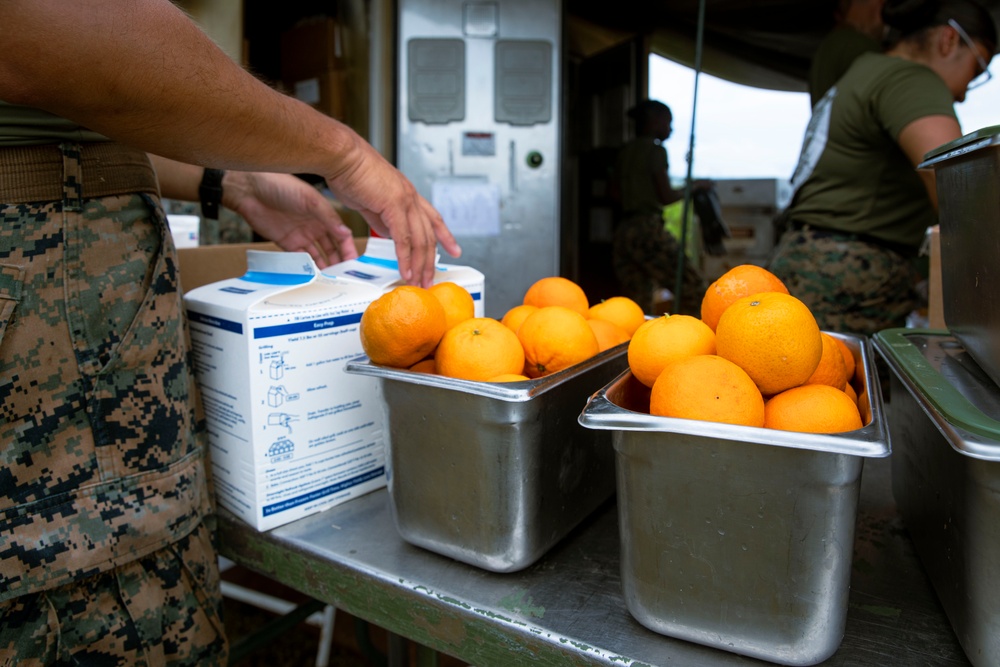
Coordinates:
[946,476]
[738,537]
[494,474]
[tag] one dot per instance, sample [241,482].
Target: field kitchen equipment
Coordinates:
[478,131]
[967,172]
[946,476]
[737,537]
[493,474]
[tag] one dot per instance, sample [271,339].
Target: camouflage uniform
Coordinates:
[105,550]
[645,258]
[851,285]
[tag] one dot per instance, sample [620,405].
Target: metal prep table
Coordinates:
[567,608]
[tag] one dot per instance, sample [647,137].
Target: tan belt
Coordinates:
[35,173]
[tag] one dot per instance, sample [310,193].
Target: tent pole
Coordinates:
[686,209]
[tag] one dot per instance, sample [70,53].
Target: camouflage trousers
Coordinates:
[645,259]
[105,546]
[851,286]
[159,610]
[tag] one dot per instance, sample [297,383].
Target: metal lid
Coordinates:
[974,141]
[949,386]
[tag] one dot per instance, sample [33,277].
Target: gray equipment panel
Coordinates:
[523,80]
[436,75]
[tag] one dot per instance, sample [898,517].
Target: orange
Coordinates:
[849,390]
[514,317]
[665,339]
[812,408]
[509,377]
[554,338]
[736,283]
[710,388]
[831,369]
[849,362]
[864,406]
[608,334]
[479,348]
[402,326]
[619,310]
[425,366]
[773,337]
[456,301]
[557,291]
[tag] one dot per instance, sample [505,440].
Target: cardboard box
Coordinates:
[935,289]
[290,432]
[211,263]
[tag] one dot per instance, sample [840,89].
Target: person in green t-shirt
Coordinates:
[858,29]
[860,209]
[645,253]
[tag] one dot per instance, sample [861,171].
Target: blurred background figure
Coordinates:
[858,29]
[645,253]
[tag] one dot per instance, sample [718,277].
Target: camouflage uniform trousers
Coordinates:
[106,552]
[851,286]
[645,258]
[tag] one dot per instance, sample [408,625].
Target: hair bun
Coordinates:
[908,16]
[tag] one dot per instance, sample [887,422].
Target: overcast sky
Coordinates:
[744,132]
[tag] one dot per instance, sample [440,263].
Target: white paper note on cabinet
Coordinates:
[470,207]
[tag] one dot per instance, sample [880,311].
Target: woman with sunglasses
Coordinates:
[860,208]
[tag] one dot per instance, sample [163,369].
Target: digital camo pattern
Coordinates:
[162,609]
[851,286]
[103,454]
[645,259]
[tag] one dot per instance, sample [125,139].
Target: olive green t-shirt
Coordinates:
[24,126]
[834,56]
[852,176]
[636,162]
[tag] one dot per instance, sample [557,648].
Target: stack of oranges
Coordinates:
[435,330]
[756,357]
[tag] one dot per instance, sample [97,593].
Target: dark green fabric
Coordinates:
[852,175]
[24,126]
[834,57]
[634,168]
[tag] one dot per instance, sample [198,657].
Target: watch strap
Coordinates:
[210,193]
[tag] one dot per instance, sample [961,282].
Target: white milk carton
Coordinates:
[378,267]
[291,433]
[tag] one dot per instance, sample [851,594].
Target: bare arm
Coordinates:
[279,207]
[923,135]
[144,74]
[661,183]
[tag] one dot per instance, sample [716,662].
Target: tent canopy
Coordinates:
[761,43]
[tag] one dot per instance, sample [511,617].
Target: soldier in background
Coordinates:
[858,29]
[860,208]
[645,253]
[106,525]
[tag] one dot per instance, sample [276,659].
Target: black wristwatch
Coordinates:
[210,192]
